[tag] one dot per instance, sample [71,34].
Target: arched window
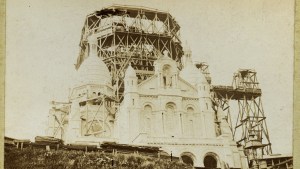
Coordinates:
[191,128]
[189,123]
[148,108]
[170,107]
[146,119]
[83,126]
[187,158]
[170,120]
[190,110]
[210,161]
[167,79]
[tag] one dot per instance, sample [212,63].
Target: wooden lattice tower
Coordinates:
[251,121]
[250,128]
[128,34]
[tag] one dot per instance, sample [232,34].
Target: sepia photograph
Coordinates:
[172,84]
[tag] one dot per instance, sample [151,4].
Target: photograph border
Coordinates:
[2,77]
[296,100]
[296,95]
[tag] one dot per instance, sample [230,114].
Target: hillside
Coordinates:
[64,159]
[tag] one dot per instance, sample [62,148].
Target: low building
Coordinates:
[276,161]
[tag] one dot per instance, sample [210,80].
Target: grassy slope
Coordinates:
[61,159]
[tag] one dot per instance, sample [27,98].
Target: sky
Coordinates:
[43,37]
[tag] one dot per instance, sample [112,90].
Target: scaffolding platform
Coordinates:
[236,94]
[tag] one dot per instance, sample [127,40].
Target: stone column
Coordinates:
[203,125]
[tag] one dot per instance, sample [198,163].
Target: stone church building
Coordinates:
[172,110]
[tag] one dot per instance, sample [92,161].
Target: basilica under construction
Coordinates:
[137,84]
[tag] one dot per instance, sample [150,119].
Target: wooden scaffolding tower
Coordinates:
[129,34]
[250,128]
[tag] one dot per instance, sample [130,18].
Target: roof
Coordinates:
[8,138]
[273,156]
[93,70]
[130,72]
[133,11]
[191,74]
[134,7]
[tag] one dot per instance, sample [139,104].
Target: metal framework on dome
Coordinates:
[131,34]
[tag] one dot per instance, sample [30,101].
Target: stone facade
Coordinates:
[172,109]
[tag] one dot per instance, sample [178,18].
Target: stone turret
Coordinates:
[130,80]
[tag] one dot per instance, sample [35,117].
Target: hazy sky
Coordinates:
[43,44]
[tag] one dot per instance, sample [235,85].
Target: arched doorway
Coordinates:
[210,161]
[187,158]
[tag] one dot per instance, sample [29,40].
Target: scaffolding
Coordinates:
[138,36]
[58,119]
[96,123]
[130,34]
[203,67]
[250,128]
